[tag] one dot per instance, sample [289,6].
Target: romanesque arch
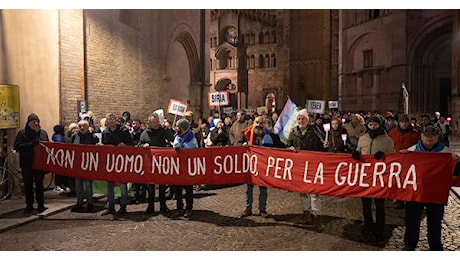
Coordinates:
[429,60]
[183,67]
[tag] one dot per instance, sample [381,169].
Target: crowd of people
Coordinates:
[354,133]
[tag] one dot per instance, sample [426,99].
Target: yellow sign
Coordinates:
[9,106]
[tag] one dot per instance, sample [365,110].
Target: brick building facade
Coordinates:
[117,60]
[265,55]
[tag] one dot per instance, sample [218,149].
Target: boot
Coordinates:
[246,213]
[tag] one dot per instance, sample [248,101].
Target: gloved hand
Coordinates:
[379,155]
[35,142]
[355,155]
[177,148]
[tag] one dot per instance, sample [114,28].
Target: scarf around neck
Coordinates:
[374,133]
[437,148]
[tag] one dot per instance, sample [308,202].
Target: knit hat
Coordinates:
[32,117]
[374,119]
[403,118]
[303,112]
[183,124]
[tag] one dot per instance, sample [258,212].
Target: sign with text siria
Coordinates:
[219,98]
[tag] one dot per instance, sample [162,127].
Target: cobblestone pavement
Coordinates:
[216,225]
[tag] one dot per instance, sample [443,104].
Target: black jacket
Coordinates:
[89,138]
[119,135]
[219,139]
[25,141]
[156,137]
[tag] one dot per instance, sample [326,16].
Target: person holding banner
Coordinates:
[256,135]
[430,142]
[158,136]
[404,136]
[26,140]
[84,136]
[307,137]
[335,142]
[116,134]
[184,139]
[235,135]
[375,141]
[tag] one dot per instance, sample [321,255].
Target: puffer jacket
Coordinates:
[381,143]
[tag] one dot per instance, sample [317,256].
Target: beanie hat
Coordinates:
[374,119]
[58,129]
[403,118]
[303,112]
[183,124]
[32,117]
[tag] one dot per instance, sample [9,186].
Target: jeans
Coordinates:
[311,202]
[87,192]
[111,195]
[161,195]
[434,216]
[379,210]
[29,176]
[262,197]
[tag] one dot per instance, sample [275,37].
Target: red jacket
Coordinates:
[403,139]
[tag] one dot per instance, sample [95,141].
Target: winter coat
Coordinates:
[25,141]
[156,137]
[186,140]
[336,144]
[309,139]
[88,138]
[219,139]
[119,135]
[403,139]
[381,143]
[235,135]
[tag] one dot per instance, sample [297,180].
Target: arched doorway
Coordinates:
[430,88]
[226,84]
[182,68]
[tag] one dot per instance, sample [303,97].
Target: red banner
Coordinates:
[421,177]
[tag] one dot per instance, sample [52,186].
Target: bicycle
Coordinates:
[8,176]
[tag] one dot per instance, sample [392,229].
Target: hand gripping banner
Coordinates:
[421,177]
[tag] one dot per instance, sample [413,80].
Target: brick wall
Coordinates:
[71,64]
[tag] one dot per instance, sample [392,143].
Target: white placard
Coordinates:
[228,110]
[249,111]
[316,106]
[220,98]
[333,104]
[176,107]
